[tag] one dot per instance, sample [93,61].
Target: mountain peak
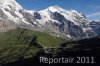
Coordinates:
[55,8]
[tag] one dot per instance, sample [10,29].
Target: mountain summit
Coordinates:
[53,20]
[55,9]
[63,23]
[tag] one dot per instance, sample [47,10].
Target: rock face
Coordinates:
[11,12]
[53,20]
[64,23]
[95,25]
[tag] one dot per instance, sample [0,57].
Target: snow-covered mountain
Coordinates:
[13,15]
[63,23]
[53,20]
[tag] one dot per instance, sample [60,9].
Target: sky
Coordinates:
[91,8]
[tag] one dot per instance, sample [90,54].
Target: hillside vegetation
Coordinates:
[22,43]
[24,36]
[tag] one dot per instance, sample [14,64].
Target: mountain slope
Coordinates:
[53,20]
[20,44]
[95,25]
[24,37]
[64,23]
[18,52]
[87,48]
[12,13]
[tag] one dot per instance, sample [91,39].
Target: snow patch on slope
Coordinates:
[70,15]
[10,5]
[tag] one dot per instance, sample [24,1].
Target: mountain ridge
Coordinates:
[59,16]
[53,20]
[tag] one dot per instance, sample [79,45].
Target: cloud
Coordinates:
[94,14]
[98,7]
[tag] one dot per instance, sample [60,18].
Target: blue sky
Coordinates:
[91,8]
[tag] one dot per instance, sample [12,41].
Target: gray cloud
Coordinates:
[94,14]
[98,7]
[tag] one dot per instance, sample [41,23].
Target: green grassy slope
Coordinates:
[15,44]
[24,36]
[14,53]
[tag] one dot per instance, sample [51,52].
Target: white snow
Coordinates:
[87,29]
[18,14]
[68,14]
[69,36]
[55,9]
[13,6]
[7,13]
[30,11]
[10,4]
